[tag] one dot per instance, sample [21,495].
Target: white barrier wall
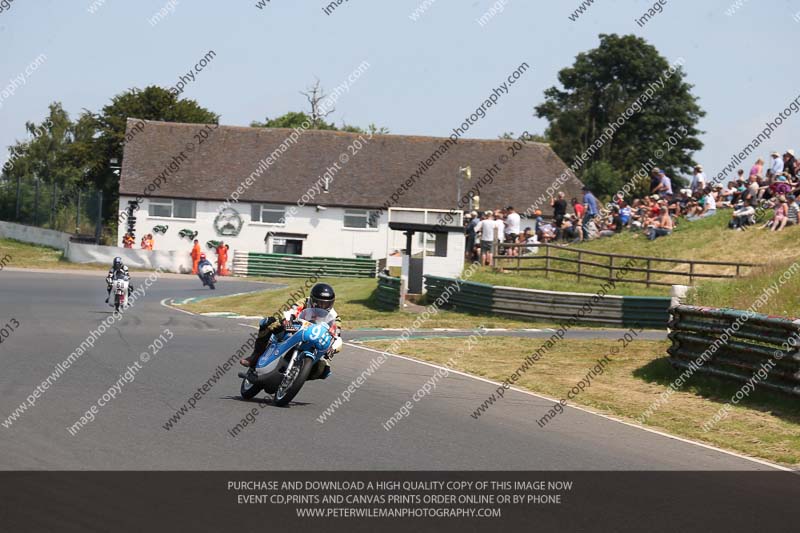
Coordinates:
[169,261]
[34,235]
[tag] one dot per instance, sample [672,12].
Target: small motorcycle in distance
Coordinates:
[288,362]
[209,276]
[119,286]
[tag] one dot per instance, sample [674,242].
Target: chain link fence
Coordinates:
[47,205]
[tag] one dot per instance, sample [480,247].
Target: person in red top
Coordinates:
[196,252]
[128,240]
[578,207]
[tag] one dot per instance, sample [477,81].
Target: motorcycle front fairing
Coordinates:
[311,339]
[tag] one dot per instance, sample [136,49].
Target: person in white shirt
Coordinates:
[709,206]
[776,167]
[487,230]
[698,180]
[500,227]
[512,228]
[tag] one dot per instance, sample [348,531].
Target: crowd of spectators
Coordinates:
[775,187]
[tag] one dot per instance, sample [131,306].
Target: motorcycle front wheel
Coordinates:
[292,382]
[248,390]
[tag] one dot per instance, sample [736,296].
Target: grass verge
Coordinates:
[355,303]
[25,255]
[765,424]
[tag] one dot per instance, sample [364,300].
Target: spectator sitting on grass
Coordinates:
[528,237]
[546,232]
[572,229]
[625,213]
[780,187]
[792,211]
[707,207]
[662,226]
[743,216]
[612,224]
[728,195]
[779,215]
[637,214]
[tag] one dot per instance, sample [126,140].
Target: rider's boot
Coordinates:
[262,341]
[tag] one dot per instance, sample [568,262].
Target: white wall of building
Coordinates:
[325,233]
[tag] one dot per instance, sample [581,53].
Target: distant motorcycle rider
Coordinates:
[322,297]
[117,266]
[203,262]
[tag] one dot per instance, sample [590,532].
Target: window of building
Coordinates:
[268,214]
[361,219]
[172,208]
[433,244]
[287,246]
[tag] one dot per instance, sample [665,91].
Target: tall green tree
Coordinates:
[292,119]
[50,156]
[296,119]
[598,89]
[151,103]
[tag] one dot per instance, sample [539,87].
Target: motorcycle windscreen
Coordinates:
[317,316]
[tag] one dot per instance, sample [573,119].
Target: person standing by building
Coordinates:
[196,252]
[559,211]
[486,229]
[128,241]
[222,259]
[512,229]
[590,202]
[470,236]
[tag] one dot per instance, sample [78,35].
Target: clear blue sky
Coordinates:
[425,76]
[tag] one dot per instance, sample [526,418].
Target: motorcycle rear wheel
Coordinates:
[293,382]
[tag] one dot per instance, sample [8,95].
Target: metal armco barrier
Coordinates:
[297,266]
[737,345]
[615,311]
[388,292]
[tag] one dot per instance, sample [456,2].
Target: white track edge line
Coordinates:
[163,302]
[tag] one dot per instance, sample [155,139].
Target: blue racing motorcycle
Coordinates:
[288,362]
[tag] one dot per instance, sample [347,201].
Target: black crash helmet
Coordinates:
[322,296]
[117,262]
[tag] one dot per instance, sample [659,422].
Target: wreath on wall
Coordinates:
[228,222]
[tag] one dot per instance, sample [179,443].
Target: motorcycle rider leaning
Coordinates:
[321,297]
[117,266]
[203,261]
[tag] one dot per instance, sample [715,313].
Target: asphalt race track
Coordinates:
[56,311]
